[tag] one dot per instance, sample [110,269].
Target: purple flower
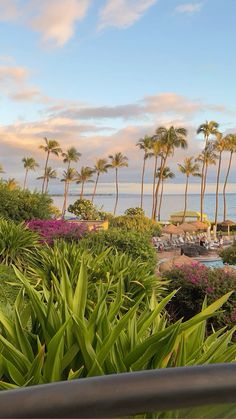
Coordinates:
[51,230]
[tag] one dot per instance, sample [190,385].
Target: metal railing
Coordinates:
[124,394]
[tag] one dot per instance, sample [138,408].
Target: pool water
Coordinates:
[217,263]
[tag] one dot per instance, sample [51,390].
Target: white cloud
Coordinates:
[189,8]
[123,13]
[56,20]
[9,10]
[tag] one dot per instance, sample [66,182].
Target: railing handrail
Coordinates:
[124,394]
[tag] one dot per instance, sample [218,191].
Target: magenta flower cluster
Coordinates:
[51,230]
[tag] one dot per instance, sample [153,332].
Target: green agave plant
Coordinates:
[62,334]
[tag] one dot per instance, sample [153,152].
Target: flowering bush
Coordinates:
[51,230]
[197,281]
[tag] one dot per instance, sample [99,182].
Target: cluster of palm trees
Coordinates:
[162,146]
[52,147]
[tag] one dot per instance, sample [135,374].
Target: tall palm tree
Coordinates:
[231,147]
[208,129]
[188,168]
[208,156]
[50,147]
[29,164]
[11,183]
[68,177]
[71,155]
[220,147]
[85,175]
[170,138]
[101,166]
[47,176]
[117,161]
[166,174]
[144,144]
[156,152]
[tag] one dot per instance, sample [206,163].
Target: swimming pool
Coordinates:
[215,263]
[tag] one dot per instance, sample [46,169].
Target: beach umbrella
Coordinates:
[172,229]
[199,225]
[187,227]
[174,262]
[228,223]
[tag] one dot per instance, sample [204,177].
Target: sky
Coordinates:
[101,74]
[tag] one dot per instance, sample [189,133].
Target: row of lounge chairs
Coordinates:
[162,244]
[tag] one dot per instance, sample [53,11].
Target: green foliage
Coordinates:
[84,209]
[20,205]
[17,242]
[195,283]
[62,334]
[133,244]
[138,223]
[102,265]
[8,292]
[229,255]
[135,211]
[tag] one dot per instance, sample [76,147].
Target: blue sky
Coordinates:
[100,74]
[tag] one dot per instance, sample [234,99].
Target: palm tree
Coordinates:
[101,166]
[84,176]
[210,157]
[118,161]
[145,145]
[170,138]
[208,129]
[188,168]
[231,147]
[11,184]
[1,169]
[29,164]
[156,152]
[220,146]
[166,174]
[48,175]
[50,147]
[68,177]
[71,155]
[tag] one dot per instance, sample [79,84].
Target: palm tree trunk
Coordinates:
[163,164]
[185,199]
[205,180]
[25,180]
[154,183]
[225,184]
[160,204]
[64,202]
[217,190]
[95,188]
[117,192]
[142,181]
[202,188]
[82,190]
[45,170]
[46,185]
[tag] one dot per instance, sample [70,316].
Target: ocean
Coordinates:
[171,203]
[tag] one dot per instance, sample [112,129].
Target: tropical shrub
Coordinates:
[135,211]
[17,242]
[8,289]
[50,230]
[229,254]
[84,209]
[137,223]
[196,282]
[134,244]
[102,265]
[20,205]
[63,334]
